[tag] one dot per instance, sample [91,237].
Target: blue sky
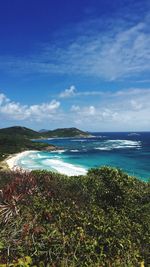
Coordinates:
[75,63]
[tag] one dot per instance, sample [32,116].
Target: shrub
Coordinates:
[101,219]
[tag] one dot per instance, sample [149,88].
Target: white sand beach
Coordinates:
[11,161]
[49,164]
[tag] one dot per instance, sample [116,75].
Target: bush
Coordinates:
[101,219]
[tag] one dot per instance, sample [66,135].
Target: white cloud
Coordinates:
[118,111]
[68,92]
[136,105]
[3,98]
[84,111]
[72,92]
[13,110]
[75,108]
[119,50]
[90,111]
[43,109]
[16,111]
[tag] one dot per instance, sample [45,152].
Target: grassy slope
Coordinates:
[101,219]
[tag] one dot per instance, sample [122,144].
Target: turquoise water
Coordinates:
[128,151]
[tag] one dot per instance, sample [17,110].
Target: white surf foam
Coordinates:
[27,161]
[63,167]
[103,148]
[119,144]
[79,140]
[58,151]
[39,156]
[12,161]
[133,134]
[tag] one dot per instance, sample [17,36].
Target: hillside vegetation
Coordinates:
[29,133]
[17,139]
[66,132]
[48,219]
[19,131]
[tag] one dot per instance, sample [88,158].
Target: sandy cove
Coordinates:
[11,161]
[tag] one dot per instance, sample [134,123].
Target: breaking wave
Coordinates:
[63,167]
[119,144]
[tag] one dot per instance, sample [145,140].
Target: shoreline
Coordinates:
[11,162]
[57,137]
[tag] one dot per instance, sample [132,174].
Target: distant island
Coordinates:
[18,139]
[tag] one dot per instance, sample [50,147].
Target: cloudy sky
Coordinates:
[75,63]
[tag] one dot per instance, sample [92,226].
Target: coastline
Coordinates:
[10,163]
[67,137]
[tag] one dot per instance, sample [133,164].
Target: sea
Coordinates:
[127,151]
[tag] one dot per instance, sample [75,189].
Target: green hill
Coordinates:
[66,132]
[29,133]
[19,131]
[17,139]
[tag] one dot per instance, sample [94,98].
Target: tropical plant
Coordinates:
[101,219]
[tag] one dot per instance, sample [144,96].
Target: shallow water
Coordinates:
[130,152]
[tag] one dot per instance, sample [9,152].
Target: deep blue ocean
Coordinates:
[127,151]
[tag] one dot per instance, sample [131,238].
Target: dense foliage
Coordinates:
[13,144]
[17,139]
[29,133]
[21,131]
[48,219]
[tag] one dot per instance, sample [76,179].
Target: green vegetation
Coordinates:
[66,132]
[19,131]
[28,133]
[17,143]
[17,139]
[48,219]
